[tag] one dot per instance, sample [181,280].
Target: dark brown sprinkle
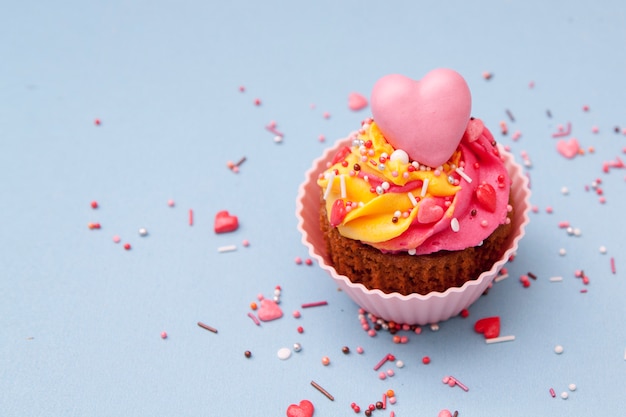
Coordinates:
[616,129]
[377,327]
[533,276]
[247,353]
[508,113]
[345,350]
[473,212]
[368,413]
[379,405]
[456,414]
[394,219]
[357,167]
[494,143]
[393,330]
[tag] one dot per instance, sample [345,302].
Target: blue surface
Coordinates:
[81,318]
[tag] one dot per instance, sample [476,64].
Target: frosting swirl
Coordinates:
[374,194]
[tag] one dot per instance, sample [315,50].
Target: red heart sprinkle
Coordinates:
[269,310]
[225,222]
[304,409]
[337,213]
[486,196]
[489,326]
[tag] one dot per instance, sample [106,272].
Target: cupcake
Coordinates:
[416,212]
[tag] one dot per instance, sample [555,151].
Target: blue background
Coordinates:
[81,318]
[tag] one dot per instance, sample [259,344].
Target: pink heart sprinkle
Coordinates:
[429,211]
[225,222]
[269,310]
[356,101]
[304,409]
[425,118]
[568,149]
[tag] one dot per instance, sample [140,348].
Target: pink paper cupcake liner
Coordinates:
[414,308]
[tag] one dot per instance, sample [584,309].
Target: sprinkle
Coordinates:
[508,113]
[463,175]
[424,187]
[116,239]
[533,276]
[163,335]
[382,362]
[500,339]
[247,354]
[143,232]
[322,390]
[412,198]
[94,204]
[315,304]
[190,217]
[207,327]
[454,224]
[283,353]
[562,132]
[572,387]
[552,393]
[564,395]
[558,349]
[331,179]
[127,246]
[254,319]
[612,265]
[325,361]
[342,183]
[170,203]
[227,248]
[556,279]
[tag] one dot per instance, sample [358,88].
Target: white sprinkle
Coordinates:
[412,198]
[342,183]
[562,252]
[500,339]
[434,327]
[454,224]
[564,191]
[572,387]
[331,179]
[501,277]
[463,174]
[556,279]
[284,353]
[399,155]
[400,364]
[558,349]
[424,187]
[227,248]
[603,249]
[412,251]
[577,232]
[564,395]
[385,185]
[143,231]
[278,139]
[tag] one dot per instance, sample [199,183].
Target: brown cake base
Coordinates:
[407,274]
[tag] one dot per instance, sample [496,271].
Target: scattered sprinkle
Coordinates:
[558,349]
[284,353]
[254,319]
[556,279]
[314,304]
[322,390]
[500,339]
[163,335]
[207,327]
[227,248]
[143,231]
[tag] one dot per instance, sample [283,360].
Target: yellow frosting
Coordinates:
[373,218]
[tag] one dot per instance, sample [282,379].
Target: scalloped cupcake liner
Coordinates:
[411,309]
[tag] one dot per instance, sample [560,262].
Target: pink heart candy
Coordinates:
[429,211]
[356,101]
[569,148]
[425,118]
[269,310]
[304,409]
[225,222]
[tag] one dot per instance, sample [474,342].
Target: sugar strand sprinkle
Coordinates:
[207,327]
[322,390]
